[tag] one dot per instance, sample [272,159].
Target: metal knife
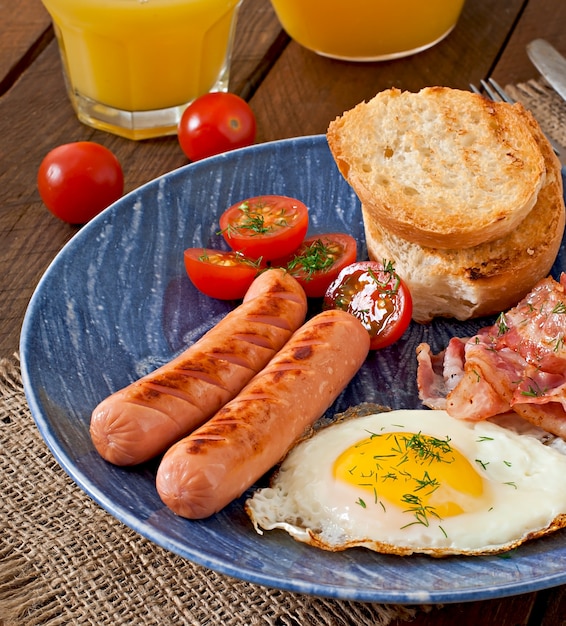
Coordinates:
[550,63]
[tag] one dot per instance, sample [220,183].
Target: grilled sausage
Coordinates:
[215,464]
[145,418]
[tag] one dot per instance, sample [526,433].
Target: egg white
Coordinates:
[524,491]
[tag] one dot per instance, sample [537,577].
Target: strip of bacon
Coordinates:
[517,364]
[439,374]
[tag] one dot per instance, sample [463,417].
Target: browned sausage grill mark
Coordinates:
[206,470]
[143,419]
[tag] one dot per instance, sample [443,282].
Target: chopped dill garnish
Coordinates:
[253,220]
[507,555]
[420,511]
[318,256]
[501,324]
[390,276]
[390,476]
[534,391]
[429,448]
[425,482]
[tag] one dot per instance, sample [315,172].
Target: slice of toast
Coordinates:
[442,167]
[487,278]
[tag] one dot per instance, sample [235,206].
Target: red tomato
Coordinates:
[375,294]
[319,260]
[269,227]
[76,181]
[220,274]
[215,123]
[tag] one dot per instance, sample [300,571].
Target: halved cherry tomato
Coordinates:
[319,260]
[214,123]
[269,227]
[76,181]
[220,274]
[377,296]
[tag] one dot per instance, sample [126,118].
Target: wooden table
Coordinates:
[293,92]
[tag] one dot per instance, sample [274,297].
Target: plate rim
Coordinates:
[194,554]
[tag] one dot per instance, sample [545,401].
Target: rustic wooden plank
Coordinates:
[544,19]
[259,42]
[35,116]
[305,91]
[24,32]
[550,609]
[512,611]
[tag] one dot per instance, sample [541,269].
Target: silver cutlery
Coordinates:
[550,63]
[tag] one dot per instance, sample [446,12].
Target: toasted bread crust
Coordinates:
[442,168]
[490,277]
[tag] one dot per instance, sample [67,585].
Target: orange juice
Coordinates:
[367,30]
[137,63]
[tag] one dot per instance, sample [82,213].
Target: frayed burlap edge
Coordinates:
[64,560]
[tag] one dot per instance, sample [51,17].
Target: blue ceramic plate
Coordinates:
[116,303]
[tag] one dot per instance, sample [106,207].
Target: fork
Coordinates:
[495,92]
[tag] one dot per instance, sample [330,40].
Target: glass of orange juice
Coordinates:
[132,66]
[367,30]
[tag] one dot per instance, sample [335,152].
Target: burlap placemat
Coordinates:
[64,560]
[545,104]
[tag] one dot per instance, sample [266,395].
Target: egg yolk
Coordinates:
[423,475]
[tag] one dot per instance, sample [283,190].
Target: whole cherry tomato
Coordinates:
[376,295]
[319,260]
[214,123]
[76,181]
[220,274]
[265,226]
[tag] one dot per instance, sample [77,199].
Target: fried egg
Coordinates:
[409,481]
